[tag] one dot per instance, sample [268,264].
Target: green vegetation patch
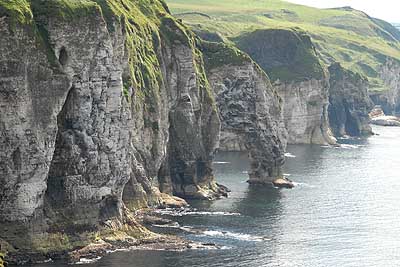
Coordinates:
[287,55]
[64,9]
[16,10]
[220,54]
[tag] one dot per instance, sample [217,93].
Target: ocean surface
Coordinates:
[344,211]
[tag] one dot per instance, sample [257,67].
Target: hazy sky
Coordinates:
[388,10]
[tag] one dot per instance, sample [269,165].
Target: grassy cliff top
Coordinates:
[221,54]
[344,35]
[285,54]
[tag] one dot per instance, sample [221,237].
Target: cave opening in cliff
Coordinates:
[56,191]
[63,56]
[351,125]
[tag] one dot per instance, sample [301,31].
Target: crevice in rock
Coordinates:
[55,193]
[63,57]
[351,124]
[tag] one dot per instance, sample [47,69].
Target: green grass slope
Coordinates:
[359,42]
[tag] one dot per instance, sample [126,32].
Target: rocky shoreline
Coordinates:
[104,245]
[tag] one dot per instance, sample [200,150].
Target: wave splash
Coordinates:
[186,212]
[237,236]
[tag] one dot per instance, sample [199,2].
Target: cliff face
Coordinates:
[349,103]
[389,100]
[103,104]
[249,108]
[290,60]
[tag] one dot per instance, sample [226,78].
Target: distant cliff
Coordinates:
[349,103]
[300,78]
[389,97]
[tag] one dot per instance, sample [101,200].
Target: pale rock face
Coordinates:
[390,99]
[305,107]
[251,117]
[92,159]
[31,96]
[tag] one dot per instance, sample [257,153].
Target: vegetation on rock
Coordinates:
[286,55]
[221,54]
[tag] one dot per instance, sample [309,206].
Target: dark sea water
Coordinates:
[344,211]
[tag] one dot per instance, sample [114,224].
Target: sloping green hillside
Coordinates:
[351,37]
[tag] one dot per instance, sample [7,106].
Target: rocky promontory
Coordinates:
[249,108]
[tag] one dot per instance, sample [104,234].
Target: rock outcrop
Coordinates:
[290,60]
[386,121]
[103,104]
[249,109]
[349,103]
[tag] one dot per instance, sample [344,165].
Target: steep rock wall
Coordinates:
[350,103]
[103,104]
[249,108]
[289,59]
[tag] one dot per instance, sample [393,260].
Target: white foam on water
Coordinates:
[225,247]
[221,162]
[45,261]
[87,261]
[237,236]
[346,146]
[185,212]
[173,225]
[212,213]
[327,146]
[289,155]
[303,185]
